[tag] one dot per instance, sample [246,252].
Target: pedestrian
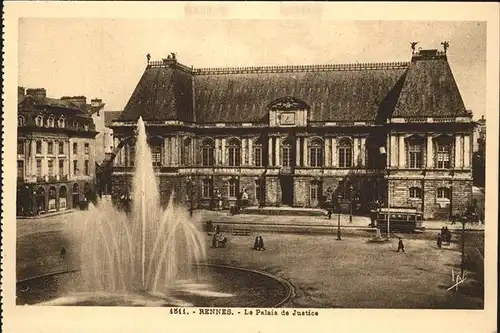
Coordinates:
[214,241]
[329,213]
[439,241]
[401,246]
[447,235]
[442,232]
[453,219]
[256,244]
[217,229]
[261,244]
[62,254]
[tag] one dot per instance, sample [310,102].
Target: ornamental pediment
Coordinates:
[288,111]
[288,103]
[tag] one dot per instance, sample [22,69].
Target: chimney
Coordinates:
[21,91]
[96,102]
[79,101]
[37,92]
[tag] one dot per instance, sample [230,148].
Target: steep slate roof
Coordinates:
[163,93]
[357,92]
[32,103]
[429,89]
[109,116]
[332,94]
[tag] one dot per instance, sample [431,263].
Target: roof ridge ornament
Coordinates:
[446,45]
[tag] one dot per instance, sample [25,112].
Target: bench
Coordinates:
[241,232]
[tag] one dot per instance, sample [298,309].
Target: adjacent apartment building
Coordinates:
[55,151]
[301,136]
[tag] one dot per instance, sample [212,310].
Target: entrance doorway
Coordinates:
[286,183]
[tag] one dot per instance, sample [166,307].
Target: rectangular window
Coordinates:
[344,190]
[51,167]
[207,157]
[314,192]
[315,157]
[20,169]
[286,156]
[75,148]
[233,188]
[75,167]
[206,188]
[345,157]
[61,167]
[131,157]
[87,172]
[20,147]
[257,190]
[415,156]
[61,148]
[415,193]
[443,193]
[234,156]
[257,156]
[156,155]
[50,148]
[443,157]
[39,168]
[39,147]
[87,149]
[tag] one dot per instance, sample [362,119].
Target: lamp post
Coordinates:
[351,188]
[338,218]
[190,195]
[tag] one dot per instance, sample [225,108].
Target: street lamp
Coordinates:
[351,188]
[190,195]
[338,217]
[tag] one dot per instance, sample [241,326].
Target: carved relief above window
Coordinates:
[288,111]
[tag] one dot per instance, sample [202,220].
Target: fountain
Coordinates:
[150,257]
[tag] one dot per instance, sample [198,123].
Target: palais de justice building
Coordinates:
[304,135]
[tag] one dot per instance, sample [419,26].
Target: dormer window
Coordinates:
[61,123]
[39,121]
[21,121]
[76,125]
[50,122]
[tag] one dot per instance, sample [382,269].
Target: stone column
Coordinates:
[270,151]
[356,152]
[277,151]
[305,151]
[430,153]
[401,148]
[166,150]
[244,152]
[250,151]
[223,151]
[467,151]
[393,151]
[297,151]
[328,152]
[458,151]
[363,152]
[334,152]
[173,151]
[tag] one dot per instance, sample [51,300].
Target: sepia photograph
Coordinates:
[251,166]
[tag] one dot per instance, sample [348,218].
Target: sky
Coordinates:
[105,58]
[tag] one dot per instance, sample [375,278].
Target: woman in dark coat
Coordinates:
[256,244]
[214,241]
[439,241]
[261,244]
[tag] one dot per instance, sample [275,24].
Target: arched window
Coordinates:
[207,152]
[61,123]
[52,198]
[186,158]
[63,195]
[316,153]
[40,200]
[76,194]
[315,192]
[415,193]
[257,153]
[234,152]
[286,153]
[50,121]
[443,193]
[21,121]
[39,121]
[443,150]
[345,153]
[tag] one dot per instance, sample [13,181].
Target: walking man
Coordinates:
[401,246]
[439,241]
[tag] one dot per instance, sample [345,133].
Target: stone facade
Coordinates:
[335,146]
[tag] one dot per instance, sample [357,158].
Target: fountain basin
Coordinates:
[218,286]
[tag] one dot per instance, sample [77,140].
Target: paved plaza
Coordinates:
[325,272]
